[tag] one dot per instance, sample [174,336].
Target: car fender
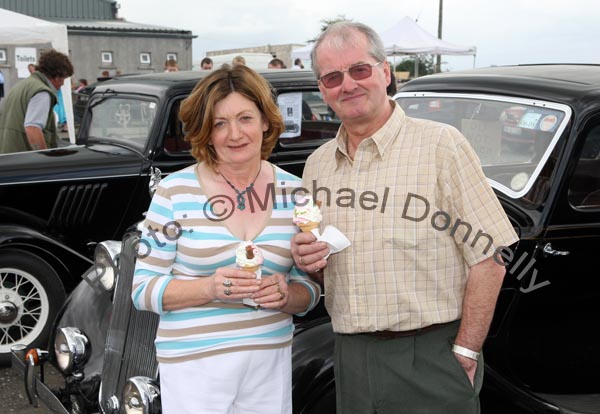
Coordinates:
[68,263]
[88,309]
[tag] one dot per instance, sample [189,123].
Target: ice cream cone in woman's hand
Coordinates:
[248,257]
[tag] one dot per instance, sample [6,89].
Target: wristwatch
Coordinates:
[466,352]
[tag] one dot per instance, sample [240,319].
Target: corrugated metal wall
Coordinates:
[63,9]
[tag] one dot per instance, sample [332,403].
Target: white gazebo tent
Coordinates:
[19,29]
[408,38]
[302,52]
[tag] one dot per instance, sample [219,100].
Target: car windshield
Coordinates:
[514,138]
[123,120]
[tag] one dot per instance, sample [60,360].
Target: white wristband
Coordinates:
[466,352]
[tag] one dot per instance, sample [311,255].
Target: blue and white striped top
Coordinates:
[188,242]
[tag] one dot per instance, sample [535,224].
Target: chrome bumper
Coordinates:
[34,386]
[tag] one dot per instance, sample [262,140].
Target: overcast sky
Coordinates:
[504,31]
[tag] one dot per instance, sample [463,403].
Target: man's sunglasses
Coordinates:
[356,72]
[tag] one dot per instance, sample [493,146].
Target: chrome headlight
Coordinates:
[105,263]
[72,349]
[141,395]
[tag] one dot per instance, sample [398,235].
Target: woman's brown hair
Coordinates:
[197,110]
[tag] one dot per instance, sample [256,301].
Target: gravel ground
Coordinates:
[13,398]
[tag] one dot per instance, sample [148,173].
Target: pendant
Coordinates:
[241,202]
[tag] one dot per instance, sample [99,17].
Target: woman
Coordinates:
[216,354]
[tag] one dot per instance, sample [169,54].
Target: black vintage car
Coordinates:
[541,355]
[56,205]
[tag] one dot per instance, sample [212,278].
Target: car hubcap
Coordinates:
[8,312]
[24,308]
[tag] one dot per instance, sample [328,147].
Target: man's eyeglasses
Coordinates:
[356,72]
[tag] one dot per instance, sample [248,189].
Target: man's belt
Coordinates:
[401,334]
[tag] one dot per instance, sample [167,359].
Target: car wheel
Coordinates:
[31,294]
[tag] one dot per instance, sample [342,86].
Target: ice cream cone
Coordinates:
[307,227]
[251,269]
[307,215]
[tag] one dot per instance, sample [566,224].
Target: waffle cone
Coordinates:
[307,227]
[252,269]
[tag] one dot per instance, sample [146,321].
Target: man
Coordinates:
[410,303]
[171,66]
[276,63]
[27,120]
[206,63]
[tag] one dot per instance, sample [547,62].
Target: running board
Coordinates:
[573,403]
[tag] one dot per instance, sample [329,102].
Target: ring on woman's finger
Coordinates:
[300,260]
[278,288]
[281,295]
[227,283]
[227,291]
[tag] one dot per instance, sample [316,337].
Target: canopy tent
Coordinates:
[407,38]
[302,52]
[18,30]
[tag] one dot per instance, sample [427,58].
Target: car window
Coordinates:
[124,120]
[306,118]
[514,138]
[584,189]
[175,142]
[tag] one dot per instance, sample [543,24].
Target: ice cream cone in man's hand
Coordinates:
[307,215]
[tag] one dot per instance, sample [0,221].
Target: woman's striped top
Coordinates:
[182,239]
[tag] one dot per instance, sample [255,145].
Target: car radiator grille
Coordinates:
[130,340]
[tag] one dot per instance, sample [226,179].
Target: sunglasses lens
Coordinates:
[333,79]
[359,72]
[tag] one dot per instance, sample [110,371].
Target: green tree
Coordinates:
[325,23]
[426,65]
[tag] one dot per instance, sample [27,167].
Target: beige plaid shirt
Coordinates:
[419,212]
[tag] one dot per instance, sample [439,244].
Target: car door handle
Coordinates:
[549,251]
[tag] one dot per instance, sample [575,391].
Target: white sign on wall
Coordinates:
[23,57]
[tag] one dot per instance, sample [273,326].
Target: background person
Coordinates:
[276,63]
[410,304]
[27,120]
[104,75]
[171,66]
[238,60]
[298,64]
[217,355]
[206,64]
[83,83]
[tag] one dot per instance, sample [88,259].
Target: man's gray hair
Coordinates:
[343,34]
